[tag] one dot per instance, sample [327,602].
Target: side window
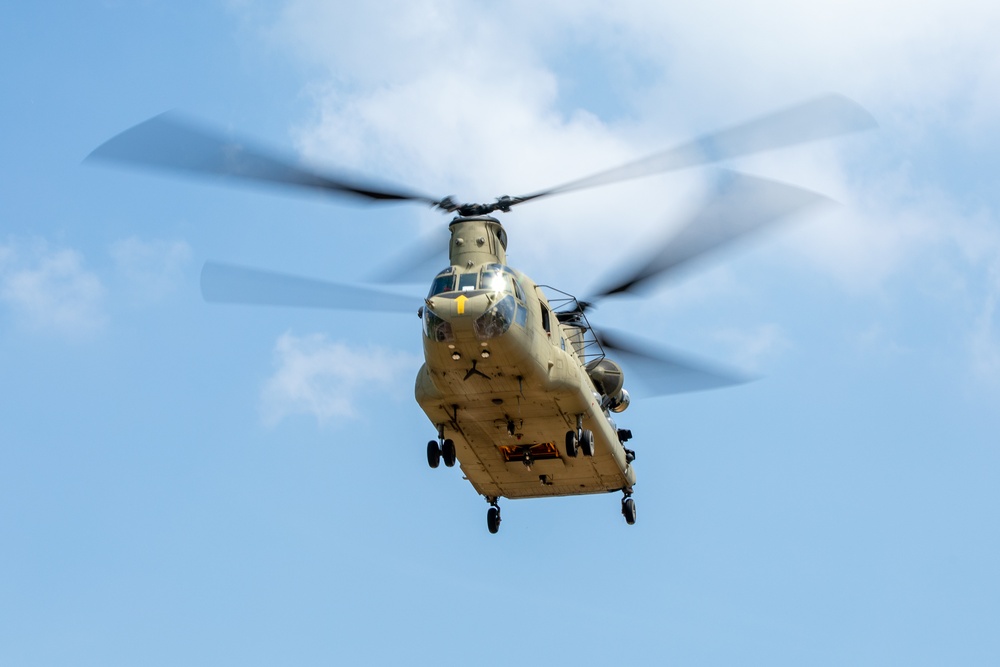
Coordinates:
[518,292]
[545,319]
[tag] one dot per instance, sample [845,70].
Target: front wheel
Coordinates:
[587,442]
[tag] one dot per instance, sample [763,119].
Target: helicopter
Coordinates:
[520,388]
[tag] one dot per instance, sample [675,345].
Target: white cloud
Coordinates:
[327,379]
[468,98]
[151,269]
[50,290]
[459,97]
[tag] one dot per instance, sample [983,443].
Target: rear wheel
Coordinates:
[628,510]
[493,519]
[433,454]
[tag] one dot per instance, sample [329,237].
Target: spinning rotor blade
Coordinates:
[742,204]
[425,256]
[169,142]
[820,118]
[226,283]
[665,372]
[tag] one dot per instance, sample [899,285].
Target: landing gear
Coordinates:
[448,452]
[493,516]
[571,444]
[628,508]
[580,439]
[442,449]
[433,454]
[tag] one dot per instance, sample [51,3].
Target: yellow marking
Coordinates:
[460,300]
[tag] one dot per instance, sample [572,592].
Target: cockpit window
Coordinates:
[493,281]
[492,273]
[443,283]
[467,281]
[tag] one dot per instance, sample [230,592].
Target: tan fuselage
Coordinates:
[513,396]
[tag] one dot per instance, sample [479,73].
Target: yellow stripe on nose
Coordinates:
[460,301]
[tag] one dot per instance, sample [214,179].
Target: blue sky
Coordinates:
[193,484]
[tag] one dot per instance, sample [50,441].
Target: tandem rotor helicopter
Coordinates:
[517,383]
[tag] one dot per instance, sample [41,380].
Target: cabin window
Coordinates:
[521,316]
[545,320]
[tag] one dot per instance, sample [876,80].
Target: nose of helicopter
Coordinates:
[460,308]
[472,318]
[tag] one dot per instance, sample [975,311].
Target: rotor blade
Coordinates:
[668,372]
[819,118]
[226,283]
[424,257]
[170,142]
[741,204]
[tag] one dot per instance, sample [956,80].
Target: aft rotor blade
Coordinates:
[170,142]
[663,371]
[227,283]
[820,118]
[740,205]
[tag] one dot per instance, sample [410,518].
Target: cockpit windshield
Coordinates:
[493,277]
[467,282]
[493,281]
[444,282]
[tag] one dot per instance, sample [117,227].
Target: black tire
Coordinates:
[433,454]
[493,519]
[587,442]
[571,444]
[628,509]
[448,453]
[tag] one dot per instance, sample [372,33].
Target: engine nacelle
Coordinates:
[609,379]
[621,402]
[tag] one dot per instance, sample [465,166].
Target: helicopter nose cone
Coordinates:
[454,306]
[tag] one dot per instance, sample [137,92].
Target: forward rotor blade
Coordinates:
[819,118]
[741,204]
[423,258]
[173,143]
[226,283]
[664,372]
